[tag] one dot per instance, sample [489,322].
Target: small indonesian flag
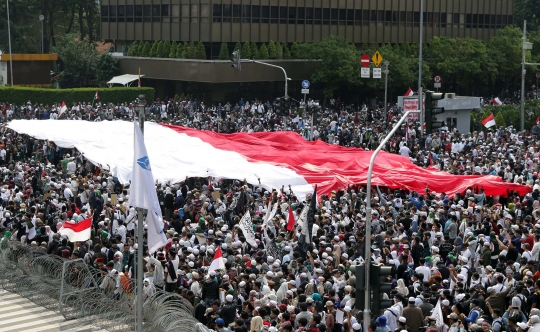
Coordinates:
[96,96]
[489,121]
[217,263]
[497,101]
[290,220]
[77,232]
[538,120]
[63,108]
[409,93]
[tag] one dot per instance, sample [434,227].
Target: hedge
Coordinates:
[21,95]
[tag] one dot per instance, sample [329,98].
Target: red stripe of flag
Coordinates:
[78,227]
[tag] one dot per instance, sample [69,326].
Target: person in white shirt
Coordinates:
[71,166]
[68,194]
[423,269]
[404,150]
[121,230]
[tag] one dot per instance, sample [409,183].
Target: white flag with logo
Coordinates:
[246,226]
[143,193]
[438,314]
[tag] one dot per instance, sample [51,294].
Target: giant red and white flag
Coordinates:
[77,232]
[489,121]
[217,263]
[276,158]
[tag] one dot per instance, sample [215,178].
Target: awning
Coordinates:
[124,80]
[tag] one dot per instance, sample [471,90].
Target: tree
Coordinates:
[106,68]
[527,10]
[263,52]
[132,51]
[254,51]
[160,52]
[504,50]
[186,52]
[146,50]
[180,51]
[279,51]
[246,51]
[286,52]
[154,50]
[272,50]
[172,50]
[224,52]
[238,46]
[140,48]
[201,51]
[192,51]
[499,120]
[294,51]
[338,63]
[78,58]
[166,49]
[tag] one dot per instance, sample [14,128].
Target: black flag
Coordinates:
[311,213]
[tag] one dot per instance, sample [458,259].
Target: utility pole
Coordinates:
[523,72]
[386,63]
[140,242]
[420,97]
[9,44]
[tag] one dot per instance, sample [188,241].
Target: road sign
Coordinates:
[305,91]
[305,84]
[377,58]
[364,60]
[365,72]
[437,79]
[437,85]
[377,72]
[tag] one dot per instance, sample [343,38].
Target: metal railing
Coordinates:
[78,291]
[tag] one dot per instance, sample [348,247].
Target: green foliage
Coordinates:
[154,50]
[224,52]
[339,63]
[505,52]
[106,68]
[19,95]
[180,50]
[140,48]
[499,120]
[146,50]
[160,50]
[190,51]
[237,47]
[286,52]
[246,51]
[254,51]
[176,97]
[172,50]
[263,52]
[279,51]
[78,60]
[272,50]
[201,51]
[294,51]
[132,51]
[166,49]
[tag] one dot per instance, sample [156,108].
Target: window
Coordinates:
[165,10]
[443,20]
[317,14]
[301,12]
[138,10]
[121,11]
[326,16]
[185,14]
[104,13]
[510,19]
[283,15]
[334,15]
[342,14]
[416,17]
[504,20]
[255,14]
[265,14]
[226,13]
[388,16]
[274,14]
[487,19]
[205,12]
[216,13]
[365,17]
[456,20]
[358,17]
[147,12]
[373,15]
[195,14]
[469,21]
[236,13]
[350,16]
[112,11]
[410,19]
[402,17]
[156,11]
[246,14]
[292,15]
[493,20]
[129,10]
[480,21]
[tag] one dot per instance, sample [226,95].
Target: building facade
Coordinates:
[359,21]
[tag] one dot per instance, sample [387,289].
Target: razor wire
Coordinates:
[79,291]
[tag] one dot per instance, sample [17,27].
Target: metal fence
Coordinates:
[78,291]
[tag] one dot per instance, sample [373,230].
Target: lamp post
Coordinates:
[9,43]
[41,18]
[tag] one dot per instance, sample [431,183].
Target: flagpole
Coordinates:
[140,242]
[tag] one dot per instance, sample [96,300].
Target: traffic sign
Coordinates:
[437,79]
[377,72]
[364,60]
[365,72]
[437,85]
[377,58]
[305,91]
[305,84]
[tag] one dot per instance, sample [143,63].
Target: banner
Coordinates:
[438,314]
[411,104]
[274,251]
[246,226]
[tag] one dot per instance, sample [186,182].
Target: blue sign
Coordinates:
[305,84]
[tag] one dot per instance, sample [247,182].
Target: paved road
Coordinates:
[20,314]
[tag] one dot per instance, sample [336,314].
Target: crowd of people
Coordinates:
[471,258]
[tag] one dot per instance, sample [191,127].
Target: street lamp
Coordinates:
[9,44]
[41,18]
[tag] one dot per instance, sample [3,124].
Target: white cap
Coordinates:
[229,298]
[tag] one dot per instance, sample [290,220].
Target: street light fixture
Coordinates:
[41,18]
